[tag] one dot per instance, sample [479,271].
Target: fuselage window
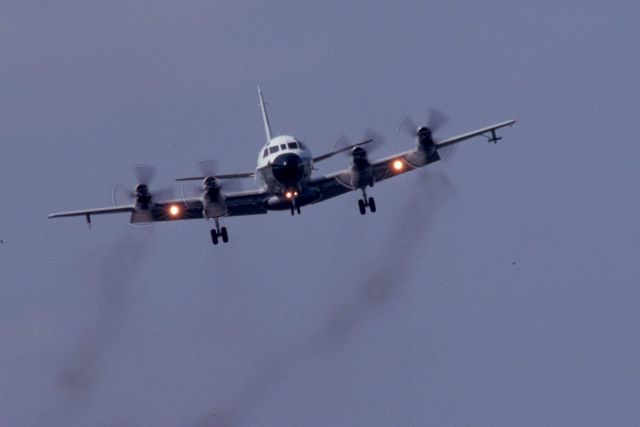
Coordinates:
[273,149]
[292,145]
[283,146]
[265,153]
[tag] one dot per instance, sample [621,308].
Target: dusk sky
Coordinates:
[499,288]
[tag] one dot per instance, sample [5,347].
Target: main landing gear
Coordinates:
[219,232]
[365,203]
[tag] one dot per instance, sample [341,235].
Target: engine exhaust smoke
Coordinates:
[113,280]
[381,285]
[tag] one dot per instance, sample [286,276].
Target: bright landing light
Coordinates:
[174,210]
[398,165]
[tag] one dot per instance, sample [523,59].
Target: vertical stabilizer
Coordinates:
[265,118]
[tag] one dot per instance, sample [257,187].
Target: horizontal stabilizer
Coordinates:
[227,176]
[342,150]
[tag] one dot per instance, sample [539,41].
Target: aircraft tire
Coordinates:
[372,205]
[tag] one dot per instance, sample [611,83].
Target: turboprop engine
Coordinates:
[212,198]
[425,141]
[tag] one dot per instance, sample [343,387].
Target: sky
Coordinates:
[499,288]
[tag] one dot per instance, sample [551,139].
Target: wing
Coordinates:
[483,131]
[339,183]
[244,203]
[88,212]
[157,212]
[237,204]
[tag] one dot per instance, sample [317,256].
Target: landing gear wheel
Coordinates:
[224,235]
[214,237]
[372,205]
[361,205]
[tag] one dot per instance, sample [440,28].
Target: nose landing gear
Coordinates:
[295,208]
[366,202]
[219,232]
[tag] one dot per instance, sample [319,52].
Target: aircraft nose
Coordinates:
[288,169]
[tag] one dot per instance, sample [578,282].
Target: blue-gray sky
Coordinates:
[500,288]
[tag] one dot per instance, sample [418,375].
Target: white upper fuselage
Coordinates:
[284,152]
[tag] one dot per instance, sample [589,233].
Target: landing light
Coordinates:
[398,165]
[288,194]
[174,210]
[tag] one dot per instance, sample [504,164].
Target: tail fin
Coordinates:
[265,118]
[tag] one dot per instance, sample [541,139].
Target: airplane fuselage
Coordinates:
[284,168]
[283,173]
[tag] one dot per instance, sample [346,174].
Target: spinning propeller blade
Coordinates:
[371,141]
[435,121]
[208,168]
[144,175]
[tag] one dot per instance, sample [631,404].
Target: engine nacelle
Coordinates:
[213,203]
[211,189]
[359,158]
[143,197]
[425,140]
[214,209]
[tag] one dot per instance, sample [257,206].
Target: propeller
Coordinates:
[210,178]
[435,121]
[372,141]
[144,175]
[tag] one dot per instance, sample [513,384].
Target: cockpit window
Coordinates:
[265,153]
[292,145]
[274,149]
[283,146]
[302,147]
